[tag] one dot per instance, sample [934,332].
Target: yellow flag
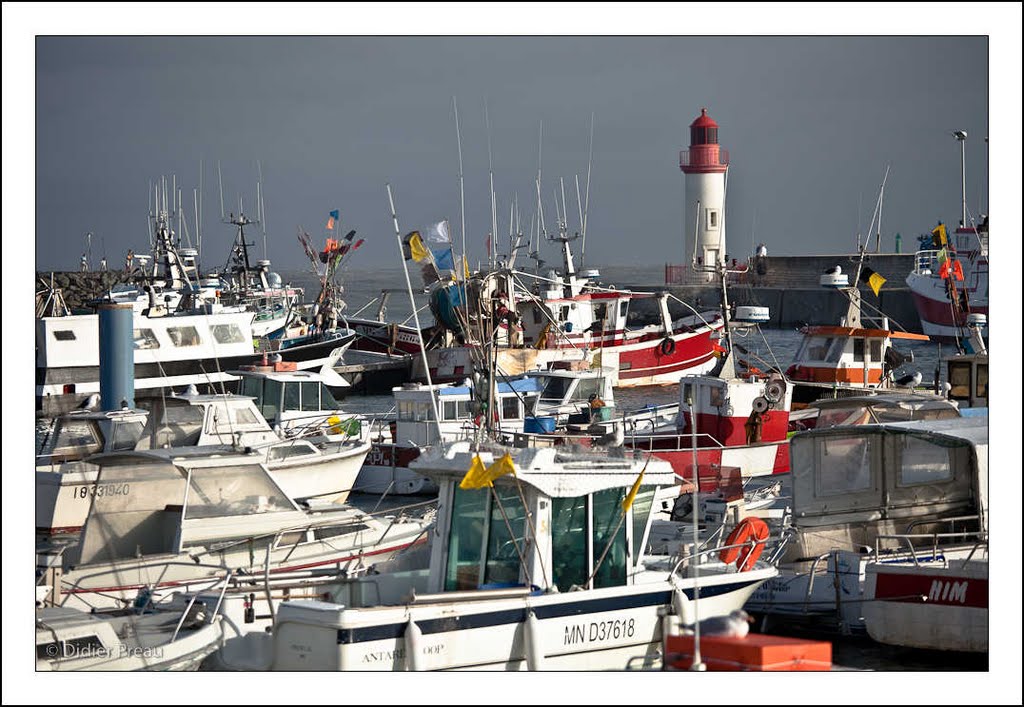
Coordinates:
[627,502]
[465,266]
[542,338]
[500,468]
[416,248]
[939,236]
[595,362]
[875,282]
[476,476]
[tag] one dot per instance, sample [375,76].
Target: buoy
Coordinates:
[532,637]
[750,528]
[668,346]
[413,638]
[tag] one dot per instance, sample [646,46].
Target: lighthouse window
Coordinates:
[713,219]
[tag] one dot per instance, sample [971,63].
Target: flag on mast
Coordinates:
[332,218]
[872,279]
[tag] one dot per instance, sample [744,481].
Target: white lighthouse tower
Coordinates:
[705,165]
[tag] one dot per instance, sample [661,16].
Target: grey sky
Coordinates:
[810,122]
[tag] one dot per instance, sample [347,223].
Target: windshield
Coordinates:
[555,387]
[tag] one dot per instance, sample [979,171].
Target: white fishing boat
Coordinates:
[858,493]
[177,634]
[546,569]
[160,519]
[323,463]
[924,598]
[387,466]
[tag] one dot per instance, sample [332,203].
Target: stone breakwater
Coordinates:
[78,288]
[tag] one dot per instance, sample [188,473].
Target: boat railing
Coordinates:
[918,548]
[82,591]
[192,600]
[926,262]
[684,441]
[703,555]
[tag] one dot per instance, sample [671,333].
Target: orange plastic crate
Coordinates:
[754,652]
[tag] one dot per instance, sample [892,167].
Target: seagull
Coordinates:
[837,270]
[909,381]
[91,403]
[734,625]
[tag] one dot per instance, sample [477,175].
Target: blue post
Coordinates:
[117,357]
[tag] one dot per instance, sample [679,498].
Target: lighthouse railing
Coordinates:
[703,158]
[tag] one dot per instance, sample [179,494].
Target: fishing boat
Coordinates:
[546,569]
[858,493]
[176,634]
[855,356]
[568,316]
[462,413]
[949,281]
[161,518]
[322,463]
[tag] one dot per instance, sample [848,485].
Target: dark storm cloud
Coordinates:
[811,124]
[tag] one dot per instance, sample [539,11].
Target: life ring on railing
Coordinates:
[745,555]
[668,346]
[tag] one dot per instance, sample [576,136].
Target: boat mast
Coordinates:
[961,137]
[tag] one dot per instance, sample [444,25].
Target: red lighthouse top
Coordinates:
[704,120]
[704,154]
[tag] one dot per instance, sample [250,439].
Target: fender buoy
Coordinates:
[668,346]
[745,556]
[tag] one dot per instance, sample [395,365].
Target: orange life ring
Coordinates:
[747,529]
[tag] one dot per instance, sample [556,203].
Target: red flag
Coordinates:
[944,269]
[958,271]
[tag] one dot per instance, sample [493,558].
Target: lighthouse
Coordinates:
[705,165]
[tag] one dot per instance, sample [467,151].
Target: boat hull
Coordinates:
[602,629]
[937,608]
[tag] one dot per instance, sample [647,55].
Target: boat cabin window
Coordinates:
[588,387]
[960,380]
[981,384]
[581,529]
[71,648]
[338,530]
[555,387]
[486,539]
[641,510]
[126,435]
[818,348]
[569,542]
[310,395]
[923,461]
[79,436]
[858,350]
[412,411]
[145,339]
[64,335]
[876,350]
[510,409]
[174,423]
[327,401]
[455,410]
[291,397]
[291,450]
[623,308]
[609,533]
[183,335]
[843,465]
[233,491]
[267,394]
[227,334]
[293,538]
